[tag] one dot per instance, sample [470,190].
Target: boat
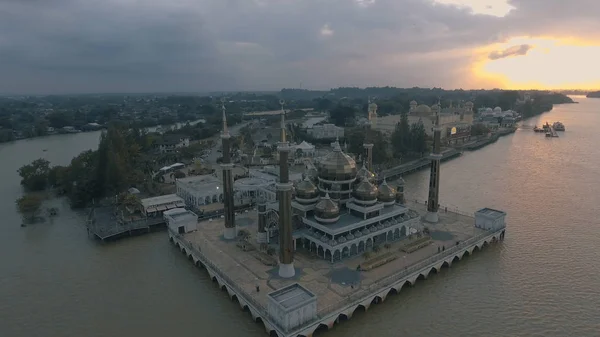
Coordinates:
[558,126]
[536,129]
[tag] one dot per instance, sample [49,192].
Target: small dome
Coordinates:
[327,210]
[469,104]
[489,110]
[306,189]
[423,110]
[365,191]
[413,102]
[497,109]
[364,174]
[386,193]
[337,166]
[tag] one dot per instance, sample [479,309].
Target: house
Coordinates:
[170,143]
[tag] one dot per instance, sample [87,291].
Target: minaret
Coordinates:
[230,231]
[262,220]
[368,145]
[284,189]
[434,177]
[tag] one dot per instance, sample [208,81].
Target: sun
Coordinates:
[550,63]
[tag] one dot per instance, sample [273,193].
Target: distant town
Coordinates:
[152,141]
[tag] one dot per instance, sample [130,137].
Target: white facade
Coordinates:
[326,131]
[204,190]
[200,190]
[157,205]
[292,306]
[181,220]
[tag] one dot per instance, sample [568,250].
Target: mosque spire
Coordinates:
[225,130]
[283,135]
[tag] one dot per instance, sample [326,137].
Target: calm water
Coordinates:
[542,281]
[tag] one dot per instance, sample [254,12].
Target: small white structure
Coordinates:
[152,207]
[326,131]
[292,306]
[307,150]
[490,219]
[181,220]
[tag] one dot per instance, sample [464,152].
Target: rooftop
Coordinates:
[490,212]
[291,296]
[178,213]
[348,221]
[161,200]
[204,182]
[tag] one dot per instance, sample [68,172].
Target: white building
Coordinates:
[181,220]
[201,190]
[292,306]
[326,131]
[155,206]
[205,190]
[306,149]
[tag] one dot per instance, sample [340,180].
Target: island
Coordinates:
[593,94]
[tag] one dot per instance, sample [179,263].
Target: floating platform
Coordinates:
[323,293]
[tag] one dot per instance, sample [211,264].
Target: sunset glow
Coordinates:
[549,64]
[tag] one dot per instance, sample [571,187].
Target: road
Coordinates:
[214,154]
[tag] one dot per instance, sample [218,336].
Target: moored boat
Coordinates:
[558,126]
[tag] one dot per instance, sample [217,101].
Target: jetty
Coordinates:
[104,224]
[323,293]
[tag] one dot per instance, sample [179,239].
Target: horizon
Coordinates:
[275,92]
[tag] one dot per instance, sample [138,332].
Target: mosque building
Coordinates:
[344,213]
[455,120]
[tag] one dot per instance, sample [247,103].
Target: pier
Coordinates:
[103,224]
[337,289]
[414,166]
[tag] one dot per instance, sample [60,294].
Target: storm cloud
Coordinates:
[70,46]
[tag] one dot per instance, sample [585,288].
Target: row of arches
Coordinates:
[348,312]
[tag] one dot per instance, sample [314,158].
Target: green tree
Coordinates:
[418,138]
[400,138]
[340,114]
[34,176]
[29,206]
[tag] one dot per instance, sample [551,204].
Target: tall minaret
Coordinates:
[262,220]
[368,144]
[284,189]
[434,177]
[230,231]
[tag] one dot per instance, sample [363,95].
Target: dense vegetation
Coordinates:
[24,117]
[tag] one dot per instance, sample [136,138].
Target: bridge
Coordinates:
[413,166]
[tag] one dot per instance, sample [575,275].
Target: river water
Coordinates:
[541,281]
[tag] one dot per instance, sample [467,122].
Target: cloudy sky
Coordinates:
[73,46]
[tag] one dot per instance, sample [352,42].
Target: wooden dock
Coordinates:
[103,225]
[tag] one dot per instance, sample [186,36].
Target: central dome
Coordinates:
[337,166]
[423,110]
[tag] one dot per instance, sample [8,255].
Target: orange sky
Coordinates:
[565,63]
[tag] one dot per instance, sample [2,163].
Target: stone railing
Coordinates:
[366,293]
[258,307]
